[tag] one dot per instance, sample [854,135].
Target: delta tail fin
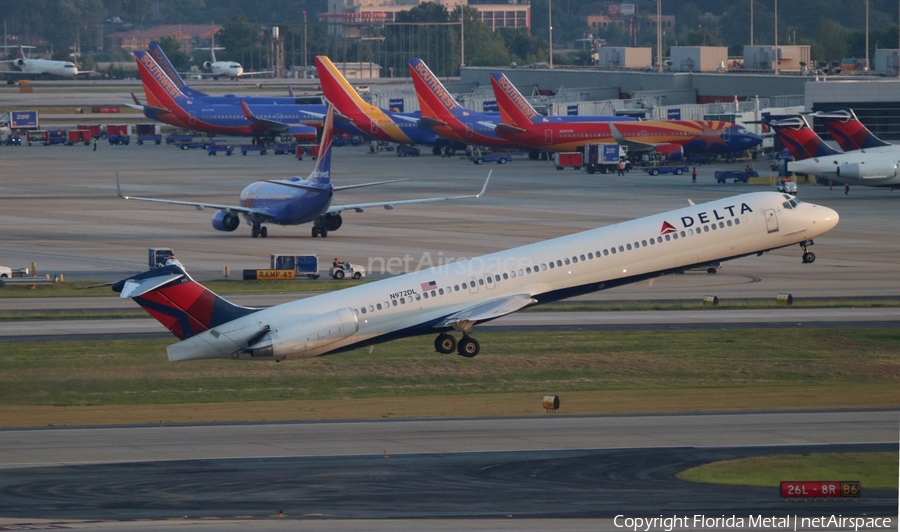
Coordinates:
[182,305]
[848,131]
[796,135]
[514,108]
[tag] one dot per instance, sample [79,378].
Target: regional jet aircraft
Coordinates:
[876,167]
[460,295]
[295,201]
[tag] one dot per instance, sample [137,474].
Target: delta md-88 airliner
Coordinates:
[460,295]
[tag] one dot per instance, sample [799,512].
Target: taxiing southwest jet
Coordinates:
[295,201]
[168,104]
[460,295]
[877,167]
[523,125]
[442,113]
[380,124]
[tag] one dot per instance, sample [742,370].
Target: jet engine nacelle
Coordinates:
[20,62]
[302,133]
[298,338]
[869,170]
[333,222]
[670,151]
[207,65]
[225,221]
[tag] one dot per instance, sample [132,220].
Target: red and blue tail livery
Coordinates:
[845,128]
[183,306]
[794,132]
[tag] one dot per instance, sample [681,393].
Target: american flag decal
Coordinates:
[430,285]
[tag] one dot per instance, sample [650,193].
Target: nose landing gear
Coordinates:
[808,256]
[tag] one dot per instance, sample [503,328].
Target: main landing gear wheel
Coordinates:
[316,231]
[468,347]
[255,231]
[444,344]
[263,232]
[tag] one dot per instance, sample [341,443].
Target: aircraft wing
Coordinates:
[198,205]
[487,310]
[632,145]
[140,107]
[389,205]
[509,128]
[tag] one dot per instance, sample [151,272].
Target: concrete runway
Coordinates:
[572,467]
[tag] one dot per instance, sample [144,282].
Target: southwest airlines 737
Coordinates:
[165,102]
[524,125]
[460,295]
[379,124]
[295,201]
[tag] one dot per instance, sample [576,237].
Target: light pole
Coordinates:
[659,64]
[550,19]
[867,35]
[776,37]
[305,57]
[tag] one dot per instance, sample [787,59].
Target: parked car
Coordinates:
[788,187]
[5,273]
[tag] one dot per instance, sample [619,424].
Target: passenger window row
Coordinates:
[493,279]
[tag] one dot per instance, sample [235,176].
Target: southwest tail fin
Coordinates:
[322,172]
[434,100]
[369,118]
[848,131]
[798,137]
[163,61]
[514,108]
[181,304]
[159,88]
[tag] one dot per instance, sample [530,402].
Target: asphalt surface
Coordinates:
[572,467]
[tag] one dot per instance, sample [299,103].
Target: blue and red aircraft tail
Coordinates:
[514,108]
[796,135]
[434,99]
[182,305]
[163,61]
[848,131]
[322,172]
[159,88]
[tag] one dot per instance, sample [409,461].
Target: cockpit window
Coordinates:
[787,205]
[742,130]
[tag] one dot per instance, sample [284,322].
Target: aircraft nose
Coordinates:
[825,218]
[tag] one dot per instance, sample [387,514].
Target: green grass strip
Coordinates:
[872,470]
[121,372]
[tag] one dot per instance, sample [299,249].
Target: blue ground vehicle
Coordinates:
[212,148]
[499,158]
[407,151]
[677,170]
[737,176]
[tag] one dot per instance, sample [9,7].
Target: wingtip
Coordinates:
[484,188]
[119,187]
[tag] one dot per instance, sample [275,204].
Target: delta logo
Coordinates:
[667,228]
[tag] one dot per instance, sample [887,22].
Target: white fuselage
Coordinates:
[46,66]
[226,68]
[419,302]
[875,167]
